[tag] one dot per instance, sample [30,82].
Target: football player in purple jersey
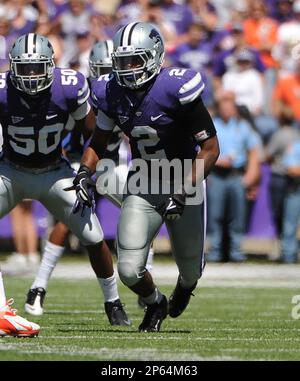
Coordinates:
[37,101]
[100,64]
[161,112]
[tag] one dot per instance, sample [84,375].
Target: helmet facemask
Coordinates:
[98,69]
[31,73]
[135,67]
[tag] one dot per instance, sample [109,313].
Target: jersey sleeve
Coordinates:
[98,93]
[191,87]
[186,87]
[77,92]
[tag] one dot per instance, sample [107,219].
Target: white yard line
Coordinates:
[221,275]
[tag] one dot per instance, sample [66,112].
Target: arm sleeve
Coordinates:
[77,93]
[104,122]
[199,121]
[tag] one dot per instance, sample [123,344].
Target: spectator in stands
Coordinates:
[205,13]
[153,13]
[52,8]
[24,16]
[283,154]
[196,54]
[287,50]
[75,19]
[261,31]
[291,207]
[85,42]
[261,34]
[286,97]
[179,15]
[229,11]
[225,60]
[131,11]
[281,10]
[236,172]
[45,28]
[245,82]
[278,146]
[7,37]
[248,85]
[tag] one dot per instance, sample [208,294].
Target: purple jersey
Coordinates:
[33,126]
[154,121]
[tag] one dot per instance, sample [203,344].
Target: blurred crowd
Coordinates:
[248,53]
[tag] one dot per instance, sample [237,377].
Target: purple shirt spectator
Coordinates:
[280,10]
[194,57]
[180,15]
[197,58]
[226,59]
[55,9]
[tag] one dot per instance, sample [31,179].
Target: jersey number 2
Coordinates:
[147,139]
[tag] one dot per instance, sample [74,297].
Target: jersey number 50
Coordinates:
[68,77]
[24,145]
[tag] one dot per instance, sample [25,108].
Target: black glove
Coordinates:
[173,207]
[84,187]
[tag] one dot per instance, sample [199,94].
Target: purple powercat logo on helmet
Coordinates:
[154,35]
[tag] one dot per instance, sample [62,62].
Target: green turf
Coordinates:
[220,323]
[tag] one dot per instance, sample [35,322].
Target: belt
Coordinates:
[35,171]
[225,172]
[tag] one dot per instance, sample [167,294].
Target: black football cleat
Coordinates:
[154,315]
[35,300]
[179,299]
[116,313]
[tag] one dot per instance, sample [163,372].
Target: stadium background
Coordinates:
[73,26]
[240,311]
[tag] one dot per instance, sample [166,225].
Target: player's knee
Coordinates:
[128,273]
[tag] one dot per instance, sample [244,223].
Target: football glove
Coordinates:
[84,186]
[173,207]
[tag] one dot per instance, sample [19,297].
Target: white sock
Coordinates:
[109,288]
[149,264]
[155,297]
[2,292]
[51,255]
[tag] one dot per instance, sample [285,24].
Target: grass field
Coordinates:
[223,322]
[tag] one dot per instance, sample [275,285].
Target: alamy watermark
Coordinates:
[155,177]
